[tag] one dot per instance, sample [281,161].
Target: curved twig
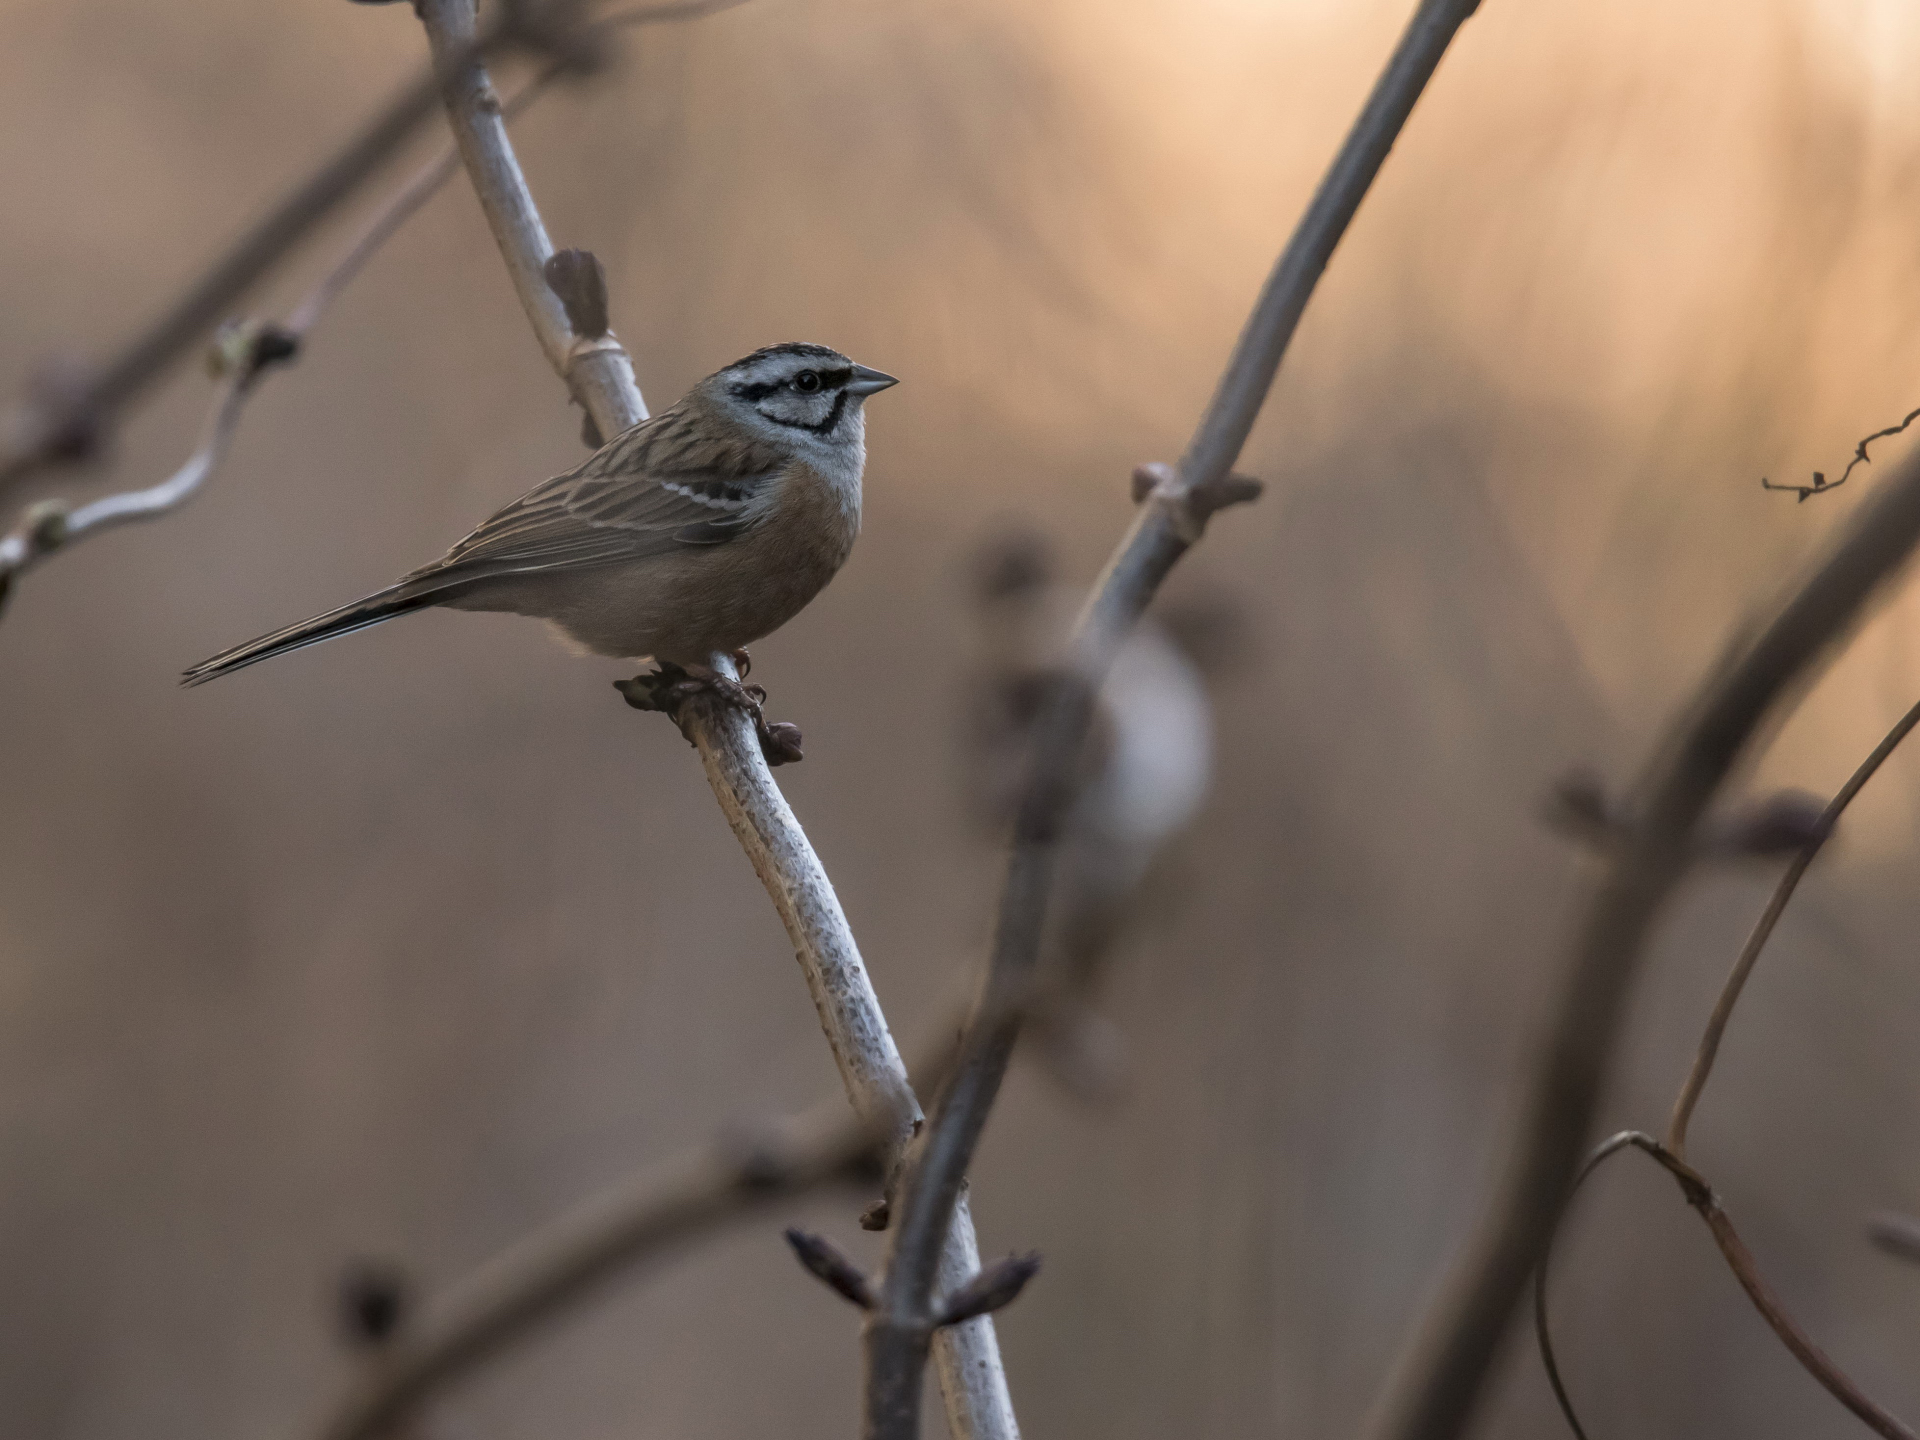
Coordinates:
[1700,1195]
[1441,1378]
[1821,485]
[1177,504]
[1696,1081]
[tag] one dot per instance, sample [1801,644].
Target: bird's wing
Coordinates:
[656,488]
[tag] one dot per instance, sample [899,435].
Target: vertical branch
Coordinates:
[1440,1377]
[597,369]
[600,376]
[1177,504]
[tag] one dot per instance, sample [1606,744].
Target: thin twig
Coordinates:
[1821,485]
[256,347]
[59,427]
[1700,1195]
[601,377]
[1696,1081]
[1441,1376]
[569,1260]
[1177,504]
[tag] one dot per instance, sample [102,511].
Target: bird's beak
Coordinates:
[868,382]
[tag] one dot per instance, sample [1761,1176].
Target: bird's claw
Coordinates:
[668,687]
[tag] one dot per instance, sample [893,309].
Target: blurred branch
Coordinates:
[679,1201]
[1441,1375]
[247,349]
[1673,1153]
[64,422]
[1175,506]
[1896,1235]
[1821,485]
[1696,1081]
[1700,1195]
[601,378]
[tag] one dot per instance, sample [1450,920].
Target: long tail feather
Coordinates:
[382,605]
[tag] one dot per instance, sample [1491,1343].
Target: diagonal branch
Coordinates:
[63,425]
[250,349]
[1441,1376]
[600,377]
[1177,505]
[555,1267]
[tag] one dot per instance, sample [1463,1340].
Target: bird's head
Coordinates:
[805,397]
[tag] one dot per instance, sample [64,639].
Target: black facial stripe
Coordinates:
[760,389]
[825,427]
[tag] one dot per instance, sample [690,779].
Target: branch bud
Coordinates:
[828,1265]
[995,1287]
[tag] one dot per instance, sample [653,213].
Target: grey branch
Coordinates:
[601,378]
[247,349]
[1175,506]
[834,1270]
[556,1267]
[1896,1235]
[64,426]
[1440,1378]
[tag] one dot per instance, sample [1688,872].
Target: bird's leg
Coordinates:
[668,687]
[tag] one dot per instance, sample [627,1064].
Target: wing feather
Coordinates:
[648,491]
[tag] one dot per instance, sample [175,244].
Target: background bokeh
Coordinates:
[399,946]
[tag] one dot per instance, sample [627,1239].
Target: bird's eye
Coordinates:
[806,382]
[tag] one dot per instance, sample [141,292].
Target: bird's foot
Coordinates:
[668,687]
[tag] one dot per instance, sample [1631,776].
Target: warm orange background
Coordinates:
[401,945]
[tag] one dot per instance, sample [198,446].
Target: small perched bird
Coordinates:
[697,531]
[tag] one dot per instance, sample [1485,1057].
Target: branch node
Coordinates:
[830,1267]
[243,348]
[995,1287]
[668,688]
[876,1215]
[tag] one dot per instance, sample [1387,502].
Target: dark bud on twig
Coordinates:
[830,1266]
[1149,477]
[995,1287]
[876,1215]
[246,347]
[1578,807]
[780,743]
[580,281]
[373,1302]
[1781,824]
[1896,1235]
